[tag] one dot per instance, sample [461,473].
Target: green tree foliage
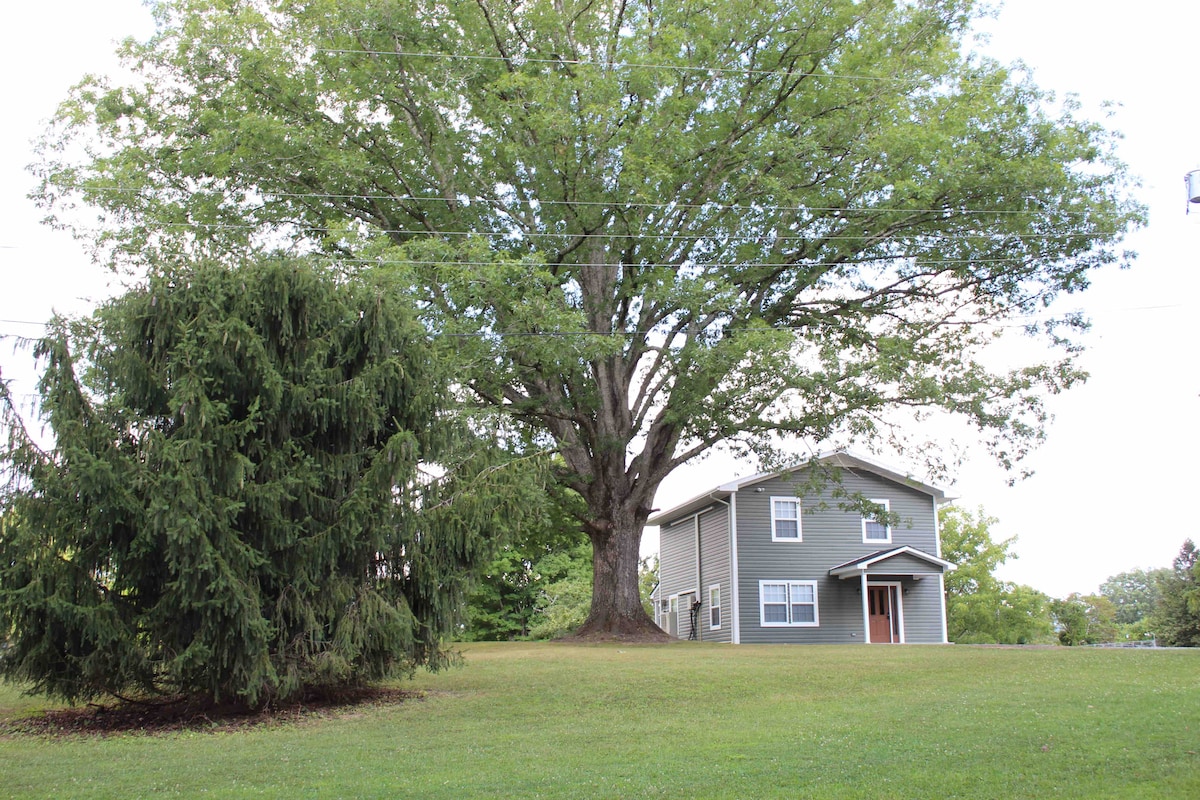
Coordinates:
[505,600]
[1135,594]
[239,501]
[1176,619]
[980,609]
[565,595]
[1085,619]
[648,582]
[541,593]
[501,602]
[650,227]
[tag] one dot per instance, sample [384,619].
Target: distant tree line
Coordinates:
[1160,605]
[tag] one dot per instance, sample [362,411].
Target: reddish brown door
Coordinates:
[880,610]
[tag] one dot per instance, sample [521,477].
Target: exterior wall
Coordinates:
[677,568]
[715,570]
[923,611]
[903,564]
[831,536]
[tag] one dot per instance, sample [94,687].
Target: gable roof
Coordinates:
[862,564]
[840,458]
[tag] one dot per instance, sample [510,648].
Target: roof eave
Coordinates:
[842,458]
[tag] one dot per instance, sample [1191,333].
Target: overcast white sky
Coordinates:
[1117,480]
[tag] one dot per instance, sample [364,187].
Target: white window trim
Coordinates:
[762,611]
[887,506]
[799,537]
[716,587]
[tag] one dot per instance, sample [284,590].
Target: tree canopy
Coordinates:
[252,491]
[1134,594]
[1084,619]
[652,228]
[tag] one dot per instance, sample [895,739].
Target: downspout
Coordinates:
[862,576]
[735,627]
[696,626]
[937,537]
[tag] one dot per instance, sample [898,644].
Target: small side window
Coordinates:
[714,607]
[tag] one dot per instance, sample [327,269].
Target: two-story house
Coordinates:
[841,550]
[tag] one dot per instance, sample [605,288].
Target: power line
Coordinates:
[517,235]
[555,60]
[921,261]
[555,334]
[674,265]
[535,203]
[413,262]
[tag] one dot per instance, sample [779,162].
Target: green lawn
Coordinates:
[691,720]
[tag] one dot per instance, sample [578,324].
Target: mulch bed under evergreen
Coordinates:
[171,715]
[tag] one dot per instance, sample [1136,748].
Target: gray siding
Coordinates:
[923,611]
[903,564]
[714,569]
[677,564]
[832,536]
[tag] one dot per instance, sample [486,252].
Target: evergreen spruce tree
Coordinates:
[252,491]
[1176,618]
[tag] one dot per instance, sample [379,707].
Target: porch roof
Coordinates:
[894,561]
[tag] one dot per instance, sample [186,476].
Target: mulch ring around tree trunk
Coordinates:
[172,715]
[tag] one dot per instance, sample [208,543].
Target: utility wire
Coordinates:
[535,203]
[558,61]
[562,334]
[879,261]
[517,235]
[412,262]
[675,265]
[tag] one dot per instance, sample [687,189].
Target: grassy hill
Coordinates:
[688,720]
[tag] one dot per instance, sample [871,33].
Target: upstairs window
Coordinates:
[785,519]
[874,531]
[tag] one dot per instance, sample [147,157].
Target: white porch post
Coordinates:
[862,576]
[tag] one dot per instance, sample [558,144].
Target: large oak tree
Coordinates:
[652,227]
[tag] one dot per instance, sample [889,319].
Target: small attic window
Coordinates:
[874,531]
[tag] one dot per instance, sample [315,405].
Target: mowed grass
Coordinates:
[689,720]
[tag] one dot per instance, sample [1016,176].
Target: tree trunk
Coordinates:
[617,610]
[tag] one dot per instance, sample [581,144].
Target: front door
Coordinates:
[881,608]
